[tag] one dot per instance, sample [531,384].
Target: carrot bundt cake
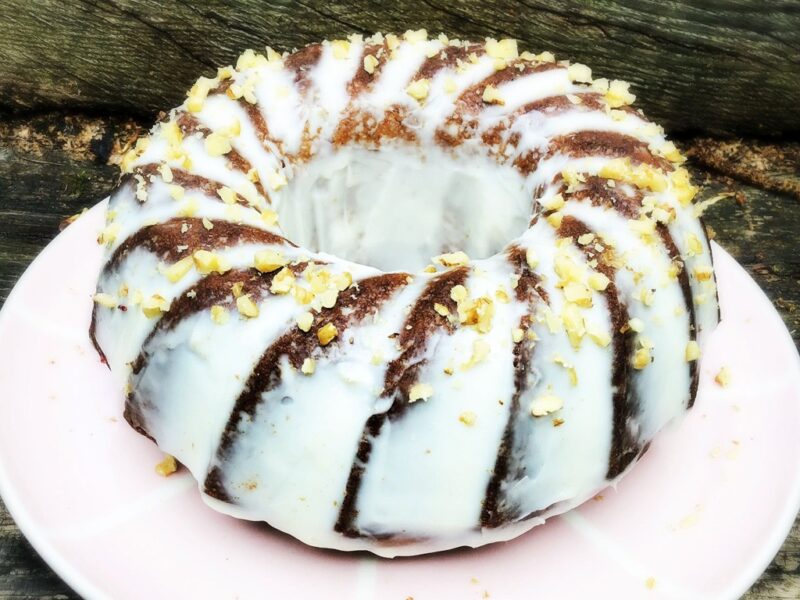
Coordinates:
[404,294]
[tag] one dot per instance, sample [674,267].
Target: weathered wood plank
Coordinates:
[53,166]
[781,580]
[767,166]
[23,574]
[719,65]
[50,168]
[759,229]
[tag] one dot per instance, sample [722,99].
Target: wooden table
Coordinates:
[730,72]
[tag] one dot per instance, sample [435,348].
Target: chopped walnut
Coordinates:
[246,307]
[419,89]
[105,300]
[309,366]
[370,62]
[327,333]
[468,418]
[692,351]
[267,261]
[491,95]
[420,391]
[546,404]
[723,377]
[217,144]
[176,271]
[167,466]
[305,320]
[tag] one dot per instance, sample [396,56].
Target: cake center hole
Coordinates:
[395,208]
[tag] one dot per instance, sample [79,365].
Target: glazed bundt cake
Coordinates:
[404,294]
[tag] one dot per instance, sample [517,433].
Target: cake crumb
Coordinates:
[650,583]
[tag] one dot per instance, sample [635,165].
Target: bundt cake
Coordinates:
[404,294]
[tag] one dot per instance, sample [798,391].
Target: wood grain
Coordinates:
[23,575]
[52,166]
[719,65]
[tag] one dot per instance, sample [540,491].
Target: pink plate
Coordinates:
[700,517]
